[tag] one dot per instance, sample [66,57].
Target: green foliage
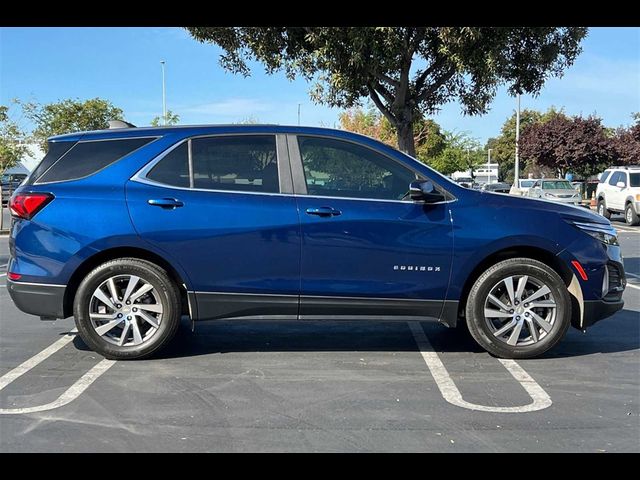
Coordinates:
[349,64]
[172,119]
[69,115]
[12,141]
[461,152]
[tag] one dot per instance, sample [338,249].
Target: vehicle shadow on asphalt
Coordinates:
[614,335]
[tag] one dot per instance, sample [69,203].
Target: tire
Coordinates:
[486,330]
[154,315]
[631,216]
[602,209]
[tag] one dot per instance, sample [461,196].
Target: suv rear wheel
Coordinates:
[631,216]
[602,209]
[127,309]
[518,308]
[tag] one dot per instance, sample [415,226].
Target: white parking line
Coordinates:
[70,394]
[633,286]
[450,392]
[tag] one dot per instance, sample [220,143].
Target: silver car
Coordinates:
[556,190]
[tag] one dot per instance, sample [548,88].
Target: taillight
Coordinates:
[14,276]
[26,205]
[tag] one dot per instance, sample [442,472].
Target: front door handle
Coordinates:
[323,211]
[166,203]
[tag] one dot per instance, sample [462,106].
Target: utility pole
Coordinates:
[516,183]
[164,96]
[299,113]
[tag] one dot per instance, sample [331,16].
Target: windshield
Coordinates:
[634,179]
[526,183]
[557,185]
[465,179]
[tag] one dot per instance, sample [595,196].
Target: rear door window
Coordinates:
[87,158]
[173,168]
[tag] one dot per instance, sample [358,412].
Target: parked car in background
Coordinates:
[619,192]
[555,190]
[130,229]
[524,184]
[499,187]
[11,181]
[466,182]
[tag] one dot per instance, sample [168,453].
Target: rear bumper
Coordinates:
[40,299]
[596,310]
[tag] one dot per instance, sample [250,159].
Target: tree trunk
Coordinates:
[406,142]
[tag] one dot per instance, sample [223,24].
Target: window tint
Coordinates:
[634,179]
[86,158]
[615,178]
[173,168]
[56,150]
[604,175]
[556,185]
[336,168]
[238,163]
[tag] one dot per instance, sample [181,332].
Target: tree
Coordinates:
[626,143]
[568,144]
[67,116]
[429,139]
[408,72]
[12,147]
[461,153]
[172,119]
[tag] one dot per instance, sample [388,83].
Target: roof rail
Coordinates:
[120,124]
[624,167]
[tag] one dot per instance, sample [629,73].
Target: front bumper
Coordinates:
[596,310]
[44,300]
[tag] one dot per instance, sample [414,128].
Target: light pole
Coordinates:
[164,97]
[489,166]
[299,114]
[516,171]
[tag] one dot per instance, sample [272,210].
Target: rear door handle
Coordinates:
[323,211]
[167,203]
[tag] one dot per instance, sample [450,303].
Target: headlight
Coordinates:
[604,233]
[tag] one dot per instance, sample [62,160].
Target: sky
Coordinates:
[122,65]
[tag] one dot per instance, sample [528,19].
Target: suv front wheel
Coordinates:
[518,308]
[127,309]
[631,216]
[602,209]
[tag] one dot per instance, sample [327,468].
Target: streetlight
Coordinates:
[164,96]
[299,113]
[489,166]
[516,172]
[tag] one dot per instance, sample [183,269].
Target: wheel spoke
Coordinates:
[151,307]
[113,291]
[537,294]
[546,326]
[543,303]
[515,335]
[508,282]
[125,333]
[102,316]
[100,295]
[148,318]
[137,337]
[141,291]
[498,302]
[533,330]
[521,284]
[505,328]
[102,329]
[489,313]
[133,281]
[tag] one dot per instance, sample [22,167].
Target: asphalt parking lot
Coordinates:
[337,386]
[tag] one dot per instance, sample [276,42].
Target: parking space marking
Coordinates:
[633,286]
[450,392]
[73,392]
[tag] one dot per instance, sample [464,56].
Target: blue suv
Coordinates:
[129,229]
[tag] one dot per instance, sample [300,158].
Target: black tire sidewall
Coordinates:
[634,217]
[483,285]
[605,212]
[165,289]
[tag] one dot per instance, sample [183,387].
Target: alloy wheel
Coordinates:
[125,310]
[520,310]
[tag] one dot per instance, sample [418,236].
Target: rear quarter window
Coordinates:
[56,150]
[87,158]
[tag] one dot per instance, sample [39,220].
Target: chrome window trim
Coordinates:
[152,137]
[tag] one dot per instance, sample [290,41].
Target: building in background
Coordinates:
[481,174]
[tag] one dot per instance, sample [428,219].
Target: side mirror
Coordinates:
[621,184]
[424,191]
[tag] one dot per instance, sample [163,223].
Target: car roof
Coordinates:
[210,129]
